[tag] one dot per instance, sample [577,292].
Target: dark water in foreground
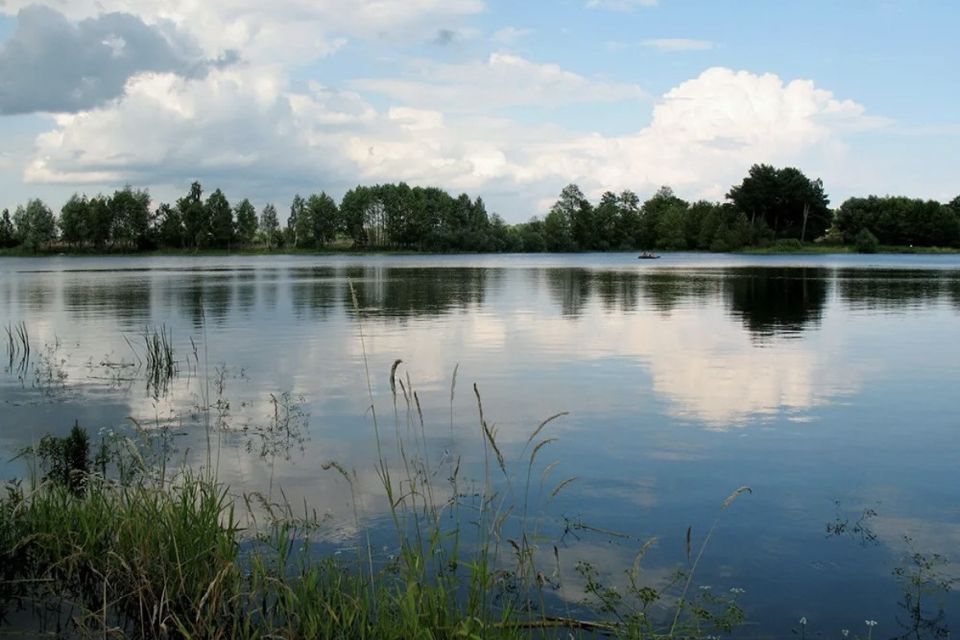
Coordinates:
[827,384]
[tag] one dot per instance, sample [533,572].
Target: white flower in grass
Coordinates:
[871,623]
[845,632]
[803,620]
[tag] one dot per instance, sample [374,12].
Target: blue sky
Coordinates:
[507,100]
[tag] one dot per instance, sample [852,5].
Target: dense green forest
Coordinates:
[778,207]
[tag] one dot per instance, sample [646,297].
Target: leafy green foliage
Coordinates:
[7,235]
[269,226]
[785,199]
[195,218]
[220,215]
[34,225]
[768,206]
[130,212]
[246,216]
[299,231]
[322,215]
[73,219]
[900,221]
[170,230]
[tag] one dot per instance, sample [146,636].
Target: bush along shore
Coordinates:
[771,210]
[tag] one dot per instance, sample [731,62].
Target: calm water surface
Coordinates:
[827,384]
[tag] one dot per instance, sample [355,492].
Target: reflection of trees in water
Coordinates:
[953,290]
[571,288]
[268,289]
[617,291]
[35,292]
[770,301]
[126,299]
[891,290]
[411,292]
[199,295]
[315,291]
[245,283]
[777,301]
[574,289]
[667,290]
[217,297]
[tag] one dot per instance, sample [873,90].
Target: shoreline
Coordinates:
[808,249]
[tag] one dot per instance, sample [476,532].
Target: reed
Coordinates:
[159,361]
[18,347]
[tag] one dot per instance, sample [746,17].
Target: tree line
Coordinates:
[769,205]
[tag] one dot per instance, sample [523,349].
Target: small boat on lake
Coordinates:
[646,255]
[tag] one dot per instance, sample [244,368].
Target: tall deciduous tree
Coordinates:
[221,219]
[35,225]
[73,219]
[98,230]
[785,199]
[570,221]
[353,213]
[323,214]
[130,216]
[170,231]
[653,212]
[567,217]
[628,220]
[246,222]
[955,205]
[605,217]
[270,226]
[195,218]
[7,237]
[299,228]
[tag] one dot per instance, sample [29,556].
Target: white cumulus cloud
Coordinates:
[293,31]
[502,80]
[246,126]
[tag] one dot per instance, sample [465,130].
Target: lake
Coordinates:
[826,384]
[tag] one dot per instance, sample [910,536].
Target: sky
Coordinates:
[509,101]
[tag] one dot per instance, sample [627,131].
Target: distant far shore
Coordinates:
[808,248]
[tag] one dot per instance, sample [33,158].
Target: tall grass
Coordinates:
[161,366]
